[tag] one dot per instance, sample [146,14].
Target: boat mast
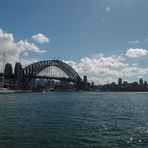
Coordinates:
[3,70]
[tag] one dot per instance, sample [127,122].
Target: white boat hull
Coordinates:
[6,91]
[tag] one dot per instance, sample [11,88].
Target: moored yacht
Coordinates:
[5,90]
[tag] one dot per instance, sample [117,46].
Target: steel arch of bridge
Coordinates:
[32,70]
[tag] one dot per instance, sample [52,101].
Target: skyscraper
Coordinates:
[119,81]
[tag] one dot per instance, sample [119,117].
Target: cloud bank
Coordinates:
[101,69]
[13,49]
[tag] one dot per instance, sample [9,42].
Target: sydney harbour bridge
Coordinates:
[54,69]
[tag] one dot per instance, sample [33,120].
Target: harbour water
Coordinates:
[74,119]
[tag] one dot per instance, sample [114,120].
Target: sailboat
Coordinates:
[2,89]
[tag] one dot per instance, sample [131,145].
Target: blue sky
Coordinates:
[81,31]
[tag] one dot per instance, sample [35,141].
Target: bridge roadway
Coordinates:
[55,78]
[47,77]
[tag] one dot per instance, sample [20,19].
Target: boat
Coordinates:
[23,91]
[4,90]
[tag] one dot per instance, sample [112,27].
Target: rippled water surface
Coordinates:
[58,120]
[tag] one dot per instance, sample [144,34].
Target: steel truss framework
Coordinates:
[32,70]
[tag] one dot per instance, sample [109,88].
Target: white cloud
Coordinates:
[1,31]
[28,61]
[5,38]
[133,72]
[41,38]
[134,42]
[27,46]
[108,8]
[136,52]
[13,50]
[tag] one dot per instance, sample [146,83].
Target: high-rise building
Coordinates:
[141,81]
[119,81]
[85,79]
[85,82]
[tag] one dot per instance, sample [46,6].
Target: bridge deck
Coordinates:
[55,78]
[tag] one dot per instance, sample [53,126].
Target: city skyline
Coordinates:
[104,39]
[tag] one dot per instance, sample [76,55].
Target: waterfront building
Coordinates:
[85,83]
[141,81]
[119,81]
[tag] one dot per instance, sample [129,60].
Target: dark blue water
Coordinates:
[58,120]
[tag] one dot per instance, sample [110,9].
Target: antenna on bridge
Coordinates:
[59,59]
